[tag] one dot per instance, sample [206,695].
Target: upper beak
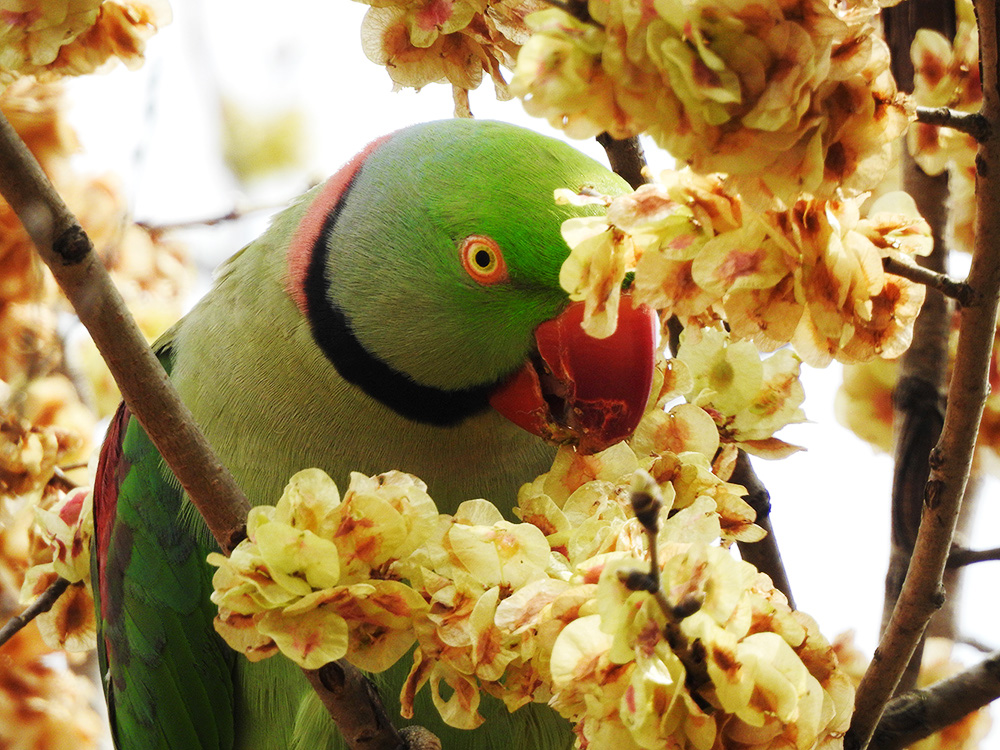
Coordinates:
[583,390]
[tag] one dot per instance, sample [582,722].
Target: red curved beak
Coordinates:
[583,390]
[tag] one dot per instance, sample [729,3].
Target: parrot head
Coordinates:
[428,268]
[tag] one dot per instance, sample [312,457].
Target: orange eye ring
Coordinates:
[482,259]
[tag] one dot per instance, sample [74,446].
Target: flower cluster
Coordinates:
[811,275]
[452,41]
[946,74]
[44,706]
[44,534]
[29,454]
[61,549]
[311,580]
[539,610]
[786,97]
[864,403]
[75,37]
[749,398]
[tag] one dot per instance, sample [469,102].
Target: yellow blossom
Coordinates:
[787,98]
[749,398]
[560,77]
[300,583]
[75,37]
[453,41]
[61,549]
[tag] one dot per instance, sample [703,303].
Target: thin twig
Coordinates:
[972,123]
[959,291]
[920,713]
[236,214]
[951,459]
[646,503]
[41,605]
[961,557]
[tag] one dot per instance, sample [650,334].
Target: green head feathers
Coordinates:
[443,251]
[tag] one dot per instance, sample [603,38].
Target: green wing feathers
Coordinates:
[167,675]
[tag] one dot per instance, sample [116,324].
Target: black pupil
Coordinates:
[483,258]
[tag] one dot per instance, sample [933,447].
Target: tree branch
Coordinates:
[971,123]
[951,459]
[961,557]
[763,555]
[67,251]
[920,713]
[40,606]
[959,291]
[626,158]
[576,8]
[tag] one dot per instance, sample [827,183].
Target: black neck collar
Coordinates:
[332,332]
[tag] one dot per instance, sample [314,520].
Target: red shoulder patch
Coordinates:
[111,469]
[300,249]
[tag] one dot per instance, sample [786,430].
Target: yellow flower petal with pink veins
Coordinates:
[896,228]
[741,259]
[594,271]
[241,633]
[521,609]
[685,427]
[244,583]
[656,220]
[571,470]
[491,647]
[68,528]
[369,534]
[408,503]
[497,553]
[863,403]
[62,550]
[578,653]
[380,616]
[559,76]
[461,709]
[727,374]
[298,560]
[668,286]
[540,510]
[787,692]
[310,501]
[70,623]
[749,398]
[310,632]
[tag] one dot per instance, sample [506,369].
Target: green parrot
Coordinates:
[406,314]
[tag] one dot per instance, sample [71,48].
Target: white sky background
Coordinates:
[159,129]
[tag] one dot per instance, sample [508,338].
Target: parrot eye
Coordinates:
[482,259]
